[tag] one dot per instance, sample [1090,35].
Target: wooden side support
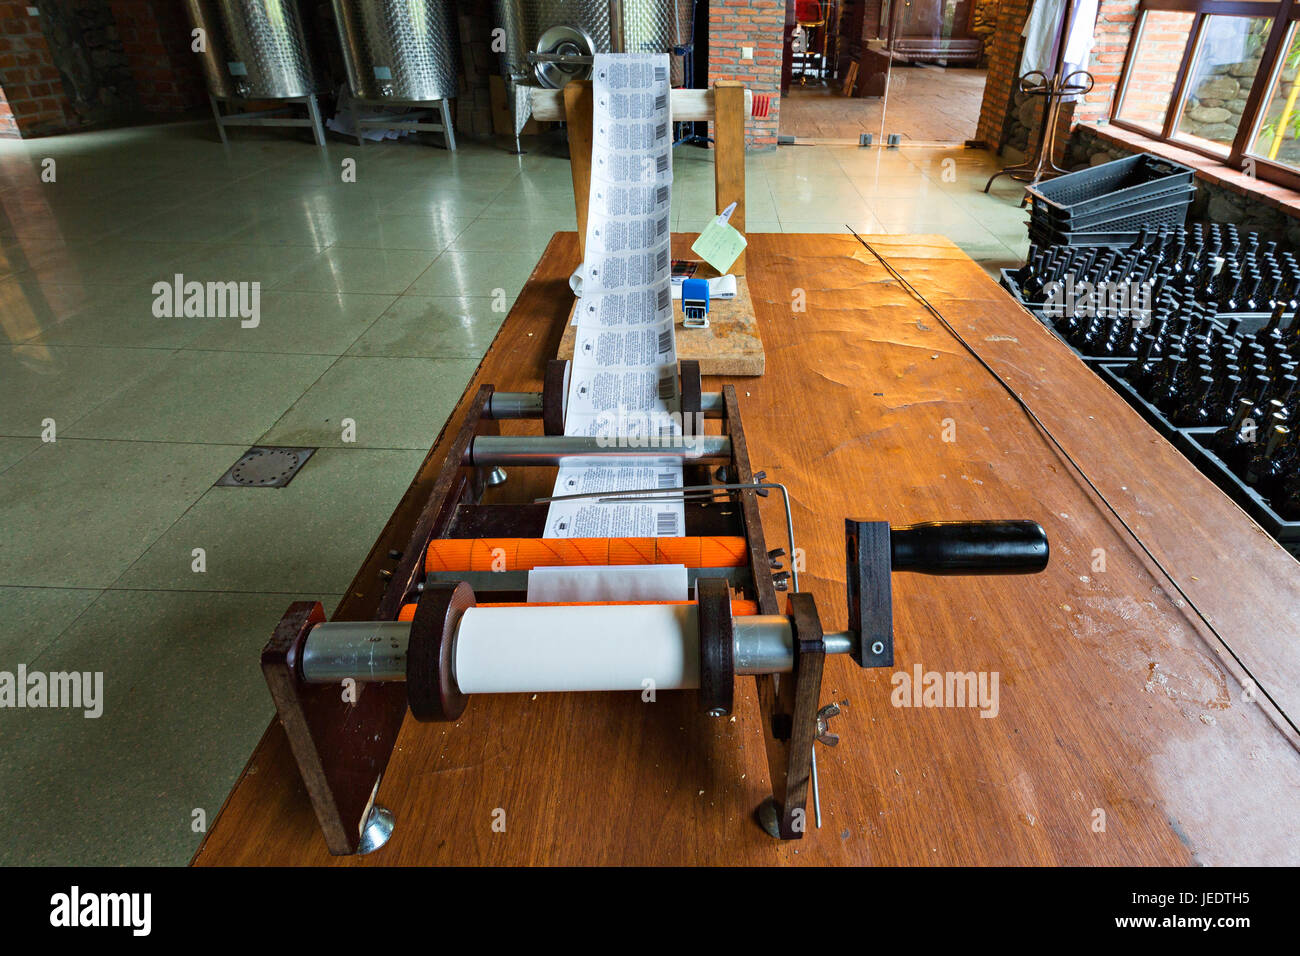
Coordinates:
[729,155]
[579,104]
[342,743]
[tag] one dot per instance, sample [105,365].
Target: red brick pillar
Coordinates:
[1003,73]
[760,24]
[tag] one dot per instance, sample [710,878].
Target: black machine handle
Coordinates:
[969,547]
[933,547]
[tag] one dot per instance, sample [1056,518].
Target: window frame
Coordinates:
[1283,12]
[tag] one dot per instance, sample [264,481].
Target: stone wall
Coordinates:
[1213,203]
[984,24]
[1215,105]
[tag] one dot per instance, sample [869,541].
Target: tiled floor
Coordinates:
[926,104]
[378,298]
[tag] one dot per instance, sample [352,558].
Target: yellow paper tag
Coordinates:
[720,244]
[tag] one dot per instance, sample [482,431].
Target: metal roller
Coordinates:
[382,650]
[515,405]
[505,450]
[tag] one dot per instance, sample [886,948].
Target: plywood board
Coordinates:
[729,346]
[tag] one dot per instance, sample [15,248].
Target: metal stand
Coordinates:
[278,116]
[1055,88]
[421,108]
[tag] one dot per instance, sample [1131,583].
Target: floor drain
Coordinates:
[265,467]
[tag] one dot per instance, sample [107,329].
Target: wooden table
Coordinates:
[1122,736]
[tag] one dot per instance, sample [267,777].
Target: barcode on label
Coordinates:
[661,163]
[662,226]
[665,524]
[666,341]
[665,298]
[661,101]
[667,387]
[667,480]
[661,261]
[662,196]
[661,131]
[661,74]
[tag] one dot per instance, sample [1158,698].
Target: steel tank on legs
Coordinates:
[579,28]
[403,50]
[255,49]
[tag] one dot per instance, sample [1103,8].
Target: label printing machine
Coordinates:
[452,612]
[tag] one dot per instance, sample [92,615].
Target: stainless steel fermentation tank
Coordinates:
[399,49]
[547,40]
[550,42]
[257,50]
[399,52]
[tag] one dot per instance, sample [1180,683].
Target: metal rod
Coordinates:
[554,449]
[817,796]
[503,405]
[376,650]
[662,494]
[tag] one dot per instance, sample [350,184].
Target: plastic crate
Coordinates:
[1104,187]
[1123,230]
[1104,220]
[1194,445]
[1284,532]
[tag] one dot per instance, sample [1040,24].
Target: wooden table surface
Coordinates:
[1123,734]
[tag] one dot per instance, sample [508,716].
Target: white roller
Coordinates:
[506,650]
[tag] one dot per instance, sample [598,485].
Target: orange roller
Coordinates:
[633,551]
[451,554]
[678,551]
[493,554]
[723,553]
[524,554]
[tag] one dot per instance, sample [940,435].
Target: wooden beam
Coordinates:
[687,105]
[729,155]
[579,104]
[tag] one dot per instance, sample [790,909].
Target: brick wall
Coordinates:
[8,126]
[760,24]
[1115,20]
[90,62]
[33,89]
[155,37]
[477,63]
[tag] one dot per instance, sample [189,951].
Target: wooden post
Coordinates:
[729,154]
[579,105]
